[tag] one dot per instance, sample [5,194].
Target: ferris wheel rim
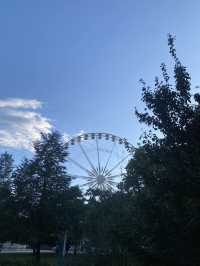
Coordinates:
[107,136]
[98,176]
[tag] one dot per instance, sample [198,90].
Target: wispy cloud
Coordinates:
[20,103]
[20,125]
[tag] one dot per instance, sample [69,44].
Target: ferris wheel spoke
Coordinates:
[88,159]
[109,176]
[114,176]
[101,187]
[109,187]
[93,186]
[81,177]
[88,184]
[117,164]
[105,185]
[109,157]
[80,166]
[112,183]
[99,167]
[98,171]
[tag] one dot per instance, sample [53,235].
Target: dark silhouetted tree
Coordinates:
[7,210]
[46,202]
[163,178]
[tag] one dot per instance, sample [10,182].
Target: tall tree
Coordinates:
[163,177]
[6,197]
[43,195]
[6,167]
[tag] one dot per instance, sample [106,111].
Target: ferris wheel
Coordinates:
[98,160]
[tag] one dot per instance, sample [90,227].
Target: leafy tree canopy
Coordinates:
[46,203]
[163,177]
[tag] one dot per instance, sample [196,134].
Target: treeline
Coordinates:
[154,217]
[37,203]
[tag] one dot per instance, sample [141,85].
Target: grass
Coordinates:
[26,260]
[52,260]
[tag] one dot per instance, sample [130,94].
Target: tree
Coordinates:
[6,197]
[6,167]
[45,200]
[106,219]
[163,177]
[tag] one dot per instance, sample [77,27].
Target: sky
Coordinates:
[75,65]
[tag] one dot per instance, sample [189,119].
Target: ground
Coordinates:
[52,260]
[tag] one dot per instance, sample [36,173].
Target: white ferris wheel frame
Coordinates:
[98,177]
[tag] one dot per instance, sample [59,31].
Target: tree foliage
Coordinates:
[45,201]
[163,177]
[6,167]
[6,198]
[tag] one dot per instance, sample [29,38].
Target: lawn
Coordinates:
[52,260]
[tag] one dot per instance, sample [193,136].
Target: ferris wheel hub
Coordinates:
[101,159]
[100,179]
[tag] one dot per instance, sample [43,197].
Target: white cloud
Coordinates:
[20,127]
[20,103]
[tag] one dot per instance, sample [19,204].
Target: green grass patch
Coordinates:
[70,260]
[26,260]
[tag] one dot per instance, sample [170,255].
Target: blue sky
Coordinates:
[81,61]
